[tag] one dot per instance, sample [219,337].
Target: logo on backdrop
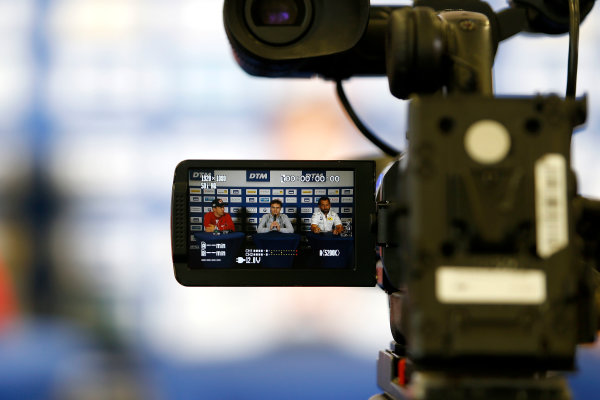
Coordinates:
[258,176]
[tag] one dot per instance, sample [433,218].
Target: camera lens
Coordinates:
[278,12]
[278,22]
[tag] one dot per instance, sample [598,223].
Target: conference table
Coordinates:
[282,248]
[331,251]
[216,250]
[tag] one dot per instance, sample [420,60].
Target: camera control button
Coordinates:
[487,141]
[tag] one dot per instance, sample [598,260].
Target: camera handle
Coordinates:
[426,51]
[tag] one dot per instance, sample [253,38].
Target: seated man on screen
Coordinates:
[324,220]
[217,219]
[275,221]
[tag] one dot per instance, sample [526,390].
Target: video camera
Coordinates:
[487,252]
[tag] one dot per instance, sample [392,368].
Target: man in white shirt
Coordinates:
[275,221]
[325,220]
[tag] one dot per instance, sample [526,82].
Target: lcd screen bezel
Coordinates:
[361,274]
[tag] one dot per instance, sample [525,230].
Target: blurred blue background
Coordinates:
[99,100]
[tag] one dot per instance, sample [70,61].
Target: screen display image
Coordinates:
[274,211]
[274,216]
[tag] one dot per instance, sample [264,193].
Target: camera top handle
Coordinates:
[338,40]
[427,49]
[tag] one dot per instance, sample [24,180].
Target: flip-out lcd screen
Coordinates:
[273,222]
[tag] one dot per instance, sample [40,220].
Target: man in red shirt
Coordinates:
[218,219]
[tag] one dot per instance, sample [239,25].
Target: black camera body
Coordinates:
[489,255]
[488,260]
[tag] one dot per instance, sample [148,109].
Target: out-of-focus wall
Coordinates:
[100,99]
